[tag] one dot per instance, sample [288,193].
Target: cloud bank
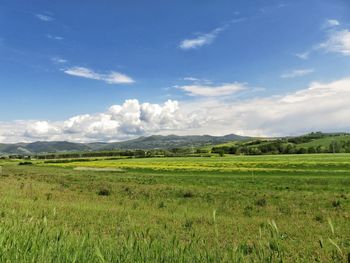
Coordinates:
[320,106]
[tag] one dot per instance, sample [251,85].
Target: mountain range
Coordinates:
[150,142]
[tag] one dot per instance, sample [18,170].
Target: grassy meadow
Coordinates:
[277,208]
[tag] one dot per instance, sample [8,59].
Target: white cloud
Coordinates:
[82,72]
[304,55]
[210,91]
[117,78]
[54,37]
[110,78]
[331,23]
[58,60]
[45,17]
[207,38]
[320,106]
[191,79]
[198,80]
[297,73]
[200,40]
[41,129]
[337,41]
[119,122]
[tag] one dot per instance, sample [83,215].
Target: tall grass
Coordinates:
[36,241]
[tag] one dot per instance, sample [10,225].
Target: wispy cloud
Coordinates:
[303,55]
[213,91]
[191,79]
[198,80]
[297,73]
[204,39]
[200,40]
[54,37]
[331,23]
[58,60]
[45,18]
[338,42]
[112,77]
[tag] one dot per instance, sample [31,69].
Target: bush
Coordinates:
[319,218]
[188,223]
[161,204]
[104,192]
[261,202]
[336,203]
[25,163]
[188,194]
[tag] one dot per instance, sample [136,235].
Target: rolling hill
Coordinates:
[151,142]
[312,140]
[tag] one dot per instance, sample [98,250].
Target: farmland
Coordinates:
[268,208]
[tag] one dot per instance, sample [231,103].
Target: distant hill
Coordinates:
[326,141]
[42,147]
[151,142]
[313,142]
[173,141]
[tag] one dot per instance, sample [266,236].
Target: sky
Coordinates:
[87,71]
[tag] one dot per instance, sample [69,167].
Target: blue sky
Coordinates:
[65,59]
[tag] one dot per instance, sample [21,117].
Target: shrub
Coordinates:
[48,196]
[248,210]
[261,202]
[104,192]
[319,218]
[336,203]
[161,204]
[25,163]
[246,248]
[188,223]
[188,194]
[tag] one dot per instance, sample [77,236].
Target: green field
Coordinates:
[325,142]
[282,208]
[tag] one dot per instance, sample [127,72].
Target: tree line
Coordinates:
[282,147]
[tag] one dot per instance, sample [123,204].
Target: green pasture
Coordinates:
[283,208]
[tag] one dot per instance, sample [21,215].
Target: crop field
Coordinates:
[277,208]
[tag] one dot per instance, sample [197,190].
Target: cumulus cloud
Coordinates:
[211,91]
[319,106]
[41,129]
[45,18]
[297,73]
[128,120]
[338,42]
[112,77]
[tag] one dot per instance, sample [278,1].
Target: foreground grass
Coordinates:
[178,210]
